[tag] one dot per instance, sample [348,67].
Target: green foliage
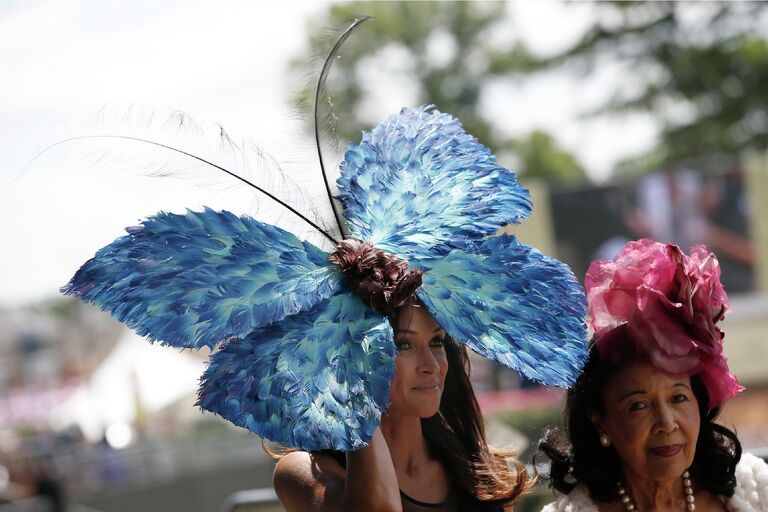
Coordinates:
[61,307]
[700,68]
[447,53]
[531,423]
[541,157]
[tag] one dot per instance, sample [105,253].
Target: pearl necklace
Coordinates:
[690,500]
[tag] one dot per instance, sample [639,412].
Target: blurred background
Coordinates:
[624,119]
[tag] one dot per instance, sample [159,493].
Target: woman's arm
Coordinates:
[371,478]
[307,482]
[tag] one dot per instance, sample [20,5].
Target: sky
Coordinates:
[64,63]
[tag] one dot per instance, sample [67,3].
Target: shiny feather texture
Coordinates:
[305,363]
[510,303]
[319,379]
[418,185]
[198,279]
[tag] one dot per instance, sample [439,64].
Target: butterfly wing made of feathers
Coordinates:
[198,279]
[510,303]
[316,380]
[418,185]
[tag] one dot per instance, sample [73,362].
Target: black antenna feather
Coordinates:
[320,85]
[195,157]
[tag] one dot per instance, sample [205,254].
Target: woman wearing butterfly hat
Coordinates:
[358,355]
[641,418]
[441,196]
[362,350]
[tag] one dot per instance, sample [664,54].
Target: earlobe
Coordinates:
[605,441]
[594,418]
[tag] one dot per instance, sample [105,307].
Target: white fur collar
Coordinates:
[751,494]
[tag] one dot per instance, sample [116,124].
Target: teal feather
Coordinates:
[198,279]
[316,380]
[418,185]
[510,303]
[305,363]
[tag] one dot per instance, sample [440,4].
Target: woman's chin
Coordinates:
[427,410]
[425,402]
[419,408]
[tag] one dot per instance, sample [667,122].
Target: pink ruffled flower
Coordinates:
[670,304]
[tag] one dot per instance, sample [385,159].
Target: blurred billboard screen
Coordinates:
[681,205]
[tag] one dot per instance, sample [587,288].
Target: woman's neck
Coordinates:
[406,444]
[651,495]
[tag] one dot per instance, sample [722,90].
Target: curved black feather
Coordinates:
[199,159]
[318,91]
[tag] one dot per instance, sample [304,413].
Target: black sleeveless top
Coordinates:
[413,505]
[454,502]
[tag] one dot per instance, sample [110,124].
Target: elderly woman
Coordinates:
[641,418]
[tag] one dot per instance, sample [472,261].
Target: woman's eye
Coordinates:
[637,406]
[437,341]
[403,345]
[677,399]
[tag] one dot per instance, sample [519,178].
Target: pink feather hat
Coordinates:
[670,304]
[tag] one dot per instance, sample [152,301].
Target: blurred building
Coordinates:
[45,353]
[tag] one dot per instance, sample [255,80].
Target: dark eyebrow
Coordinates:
[641,391]
[408,331]
[636,392]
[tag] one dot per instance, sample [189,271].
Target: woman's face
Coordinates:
[652,419]
[420,365]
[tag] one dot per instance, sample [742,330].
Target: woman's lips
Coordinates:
[432,388]
[666,450]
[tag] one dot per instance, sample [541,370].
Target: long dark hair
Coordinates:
[577,456]
[456,437]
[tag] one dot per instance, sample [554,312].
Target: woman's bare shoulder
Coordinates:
[309,482]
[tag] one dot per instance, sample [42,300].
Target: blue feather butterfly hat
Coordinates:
[299,357]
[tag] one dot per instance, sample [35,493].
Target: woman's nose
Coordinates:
[665,420]
[427,362]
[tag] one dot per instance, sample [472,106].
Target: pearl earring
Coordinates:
[569,478]
[605,440]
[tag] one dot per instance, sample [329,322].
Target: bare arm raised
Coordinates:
[310,482]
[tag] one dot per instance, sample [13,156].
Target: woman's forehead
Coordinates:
[643,377]
[415,318]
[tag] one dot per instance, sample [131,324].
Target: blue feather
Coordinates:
[510,303]
[197,279]
[316,380]
[418,186]
[305,363]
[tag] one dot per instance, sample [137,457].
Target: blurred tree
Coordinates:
[540,157]
[700,67]
[444,53]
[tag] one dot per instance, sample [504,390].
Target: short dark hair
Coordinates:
[579,450]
